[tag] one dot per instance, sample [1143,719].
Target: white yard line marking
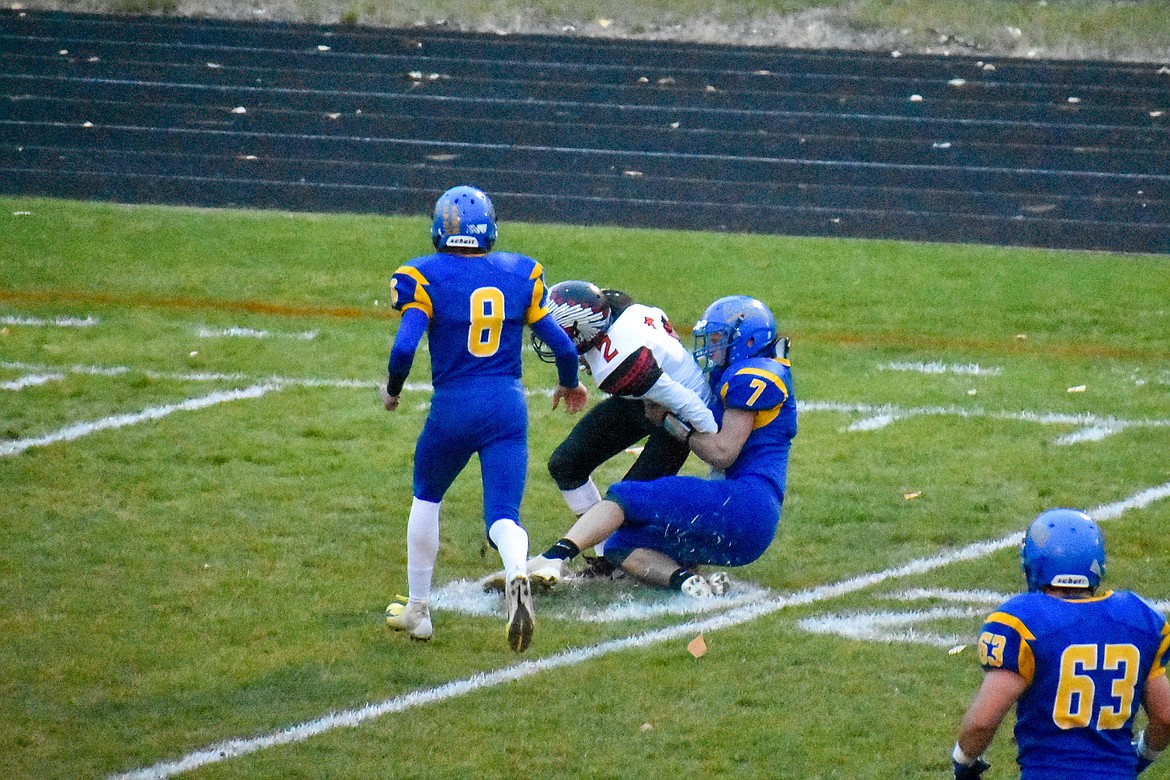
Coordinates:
[210,376]
[1091,427]
[1091,433]
[31,380]
[232,748]
[890,626]
[985,597]
[967,369]
[249,333]
[79,430]
[57,322]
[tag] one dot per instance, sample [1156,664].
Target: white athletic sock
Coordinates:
[422,547]
[582,499]
[512,542]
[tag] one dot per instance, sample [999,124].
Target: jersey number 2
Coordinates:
[487,321]
[1076,692]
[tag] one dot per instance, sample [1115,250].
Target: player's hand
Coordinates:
[389,401]
[655,412]
[575,398]
[971,772]
[1139,748]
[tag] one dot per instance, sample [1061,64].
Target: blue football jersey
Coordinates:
[1087,662]
[763,386]
[477,307]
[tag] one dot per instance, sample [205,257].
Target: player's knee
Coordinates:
[617,556]
[564,470]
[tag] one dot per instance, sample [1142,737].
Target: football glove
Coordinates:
[1145,756]
[972,771]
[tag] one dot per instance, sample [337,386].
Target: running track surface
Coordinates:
[1068,154]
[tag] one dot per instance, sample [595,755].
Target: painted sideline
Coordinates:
[79,430]
[231,748]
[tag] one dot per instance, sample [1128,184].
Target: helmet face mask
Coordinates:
[464,221]
[1063,548]
[734,328]
[582,310]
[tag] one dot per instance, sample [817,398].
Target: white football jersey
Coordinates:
[641,356]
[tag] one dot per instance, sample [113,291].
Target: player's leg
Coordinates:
[504,469]
[605,431]
[674,524]
[422,550]
[661,456]
[591,528]
[438,459]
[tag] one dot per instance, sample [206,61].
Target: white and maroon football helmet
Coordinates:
[583,310]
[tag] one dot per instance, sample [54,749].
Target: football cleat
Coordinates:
[414,618]
[720,583]
[495,582]
[546,573]
[521,620]
[600,568]
[543,572]
[701,587]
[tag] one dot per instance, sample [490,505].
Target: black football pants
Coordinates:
[607,430]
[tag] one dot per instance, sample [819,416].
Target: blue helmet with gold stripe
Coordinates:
[464,221]
[1063,548]
[734,328]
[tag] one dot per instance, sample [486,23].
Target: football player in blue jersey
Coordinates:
[661,531]
[1076,664]
[473,304]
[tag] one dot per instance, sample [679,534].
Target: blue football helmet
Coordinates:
[1063,547]
[465,220]
[738,327]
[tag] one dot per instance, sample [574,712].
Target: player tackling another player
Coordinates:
[660,531]
[1077,665]
[634,356]
[473,304]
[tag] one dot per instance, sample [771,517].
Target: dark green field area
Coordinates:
[203,504]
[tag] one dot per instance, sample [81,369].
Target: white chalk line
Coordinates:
[1091,427]
[251,333]
[31,380]
[202,376]
[963,369]
[891,626]
[55,322]
[78,430]
[232,748]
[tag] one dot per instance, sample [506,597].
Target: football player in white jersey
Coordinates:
[634,356]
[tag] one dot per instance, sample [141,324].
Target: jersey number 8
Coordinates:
[487,321]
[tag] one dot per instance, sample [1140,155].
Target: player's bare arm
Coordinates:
[719,450]
[1157,705]
[997,695]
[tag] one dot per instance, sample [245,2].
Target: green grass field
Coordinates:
[203,505]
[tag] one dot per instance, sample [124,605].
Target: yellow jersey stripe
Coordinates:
[535,310]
